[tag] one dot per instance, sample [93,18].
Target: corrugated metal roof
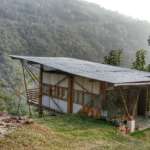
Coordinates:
[92,70]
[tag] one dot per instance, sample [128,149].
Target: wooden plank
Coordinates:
[41,91]
[70,96]
[44,107]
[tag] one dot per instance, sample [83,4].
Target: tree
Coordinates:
[140,62]
[114,57]
[148,68]
[148,40]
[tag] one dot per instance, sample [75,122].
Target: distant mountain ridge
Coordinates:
[69,28]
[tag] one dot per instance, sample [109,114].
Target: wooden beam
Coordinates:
[147,102]
[81,86]
[33,76]
[124,103]
[136,102]
[70,96]
[103,90]
[29,73]
[41,91]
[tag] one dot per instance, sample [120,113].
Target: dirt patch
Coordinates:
[8,123]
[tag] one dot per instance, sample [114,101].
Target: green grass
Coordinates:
[75,125]
[69,132]
[142,135]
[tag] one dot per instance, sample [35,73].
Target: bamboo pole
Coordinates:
[33,76]
[25,84]
[124,103]
[19,104]
[135,106]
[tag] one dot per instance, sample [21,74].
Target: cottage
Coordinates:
[71,85]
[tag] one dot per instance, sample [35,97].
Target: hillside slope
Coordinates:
[65,28]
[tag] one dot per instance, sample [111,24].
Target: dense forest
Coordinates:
[70,28]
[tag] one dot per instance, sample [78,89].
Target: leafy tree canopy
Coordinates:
[114,57]
[140,62]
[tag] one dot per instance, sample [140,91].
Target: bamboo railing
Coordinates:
[33,95]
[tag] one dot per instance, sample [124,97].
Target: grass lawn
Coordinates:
[67,132]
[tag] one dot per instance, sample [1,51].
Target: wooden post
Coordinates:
[134,110]
[103,86]
[125,103]
[41,91]
[70,94]
[147,102]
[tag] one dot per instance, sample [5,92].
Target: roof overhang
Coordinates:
[132,84]
[106,73]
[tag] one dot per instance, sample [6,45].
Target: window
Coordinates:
[55,91]
[80,97]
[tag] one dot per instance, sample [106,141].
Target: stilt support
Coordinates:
[70,95]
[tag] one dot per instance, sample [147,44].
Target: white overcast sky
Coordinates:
[139,9]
